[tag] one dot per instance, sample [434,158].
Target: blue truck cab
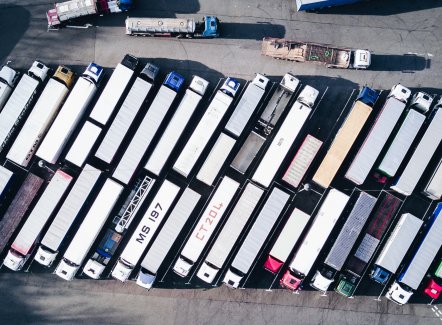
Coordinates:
[380,275]
[230,86]
[210,26]
[174,81]
[125,5]
[93,72]
[368,96]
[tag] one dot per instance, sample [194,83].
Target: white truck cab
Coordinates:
[400,93]
[260,81]
[207,272]
[93,269]
[199,85]
[308,96]
[230,87]
[146,279]
[398,295]
[362,59]
[66,270]
[182,267]
[13,262]
[45,257]
[231,279]
[320,282]
[122,270]
[422,101]
[39,70]
[289,82]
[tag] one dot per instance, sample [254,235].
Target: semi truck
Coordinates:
[70,114]
[203,132]
[325,275]
[149,127]
[89,229]
[173,27]
[328,55]
[414,271]
[110,241]
[188,105]
[433,190]
[167,237]
[378,135]
[406,183]
[309,5]
[255,239]
[345,137]
[145,230]
[19,206]
[312,244]
[83,143]
[401,143]
[395,248]
[127,113]
[5,177]
[70,209]
[203,231]
[21,101]
[41,117]
[63,12]
[285,137]
[267,121]
[355,266]
[24,242]
[230,233]
[8,77]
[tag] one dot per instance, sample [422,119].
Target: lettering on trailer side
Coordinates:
[201,234]
[153,217]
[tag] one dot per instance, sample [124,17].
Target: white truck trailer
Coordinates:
[41,117]
[70,114]
[422,155]
[57,231]
[286,135]
[378,135]
[24,243]
[148,128]
[206,127]
[230,233]
[166,238]
[21,101]
[413,273]
[127,113]
[145,230]
[209,219]
[267,217]
[401,143]
[396,247]
[115,87]
[5,177]
[82,146]
[344,243]
[312,244]
[434,187]
[8,77]
[177,124]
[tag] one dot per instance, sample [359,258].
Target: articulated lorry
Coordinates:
[173,27]
[8,77]
[433,190]
[330,56]
[308,5]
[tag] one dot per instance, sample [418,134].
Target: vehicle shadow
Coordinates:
[14,23]
[407,63]
[256,31]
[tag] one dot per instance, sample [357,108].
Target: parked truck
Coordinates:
[83,143]
[395,248]
[63,12]
[24,242]
[414,271]
[188,105]
[355,266]
[8,77]
[344,243]
[206,127]
[310,5]
[203,231]
[345,137]
[264,223]
[70,209]
[70,114]
[41,117]
[5,177]
[328,55]
[230,233]
[378,135]
[145,230]
[433,190]
[312,244]
[21,101]
[127,113]
[173,27]
[285,137]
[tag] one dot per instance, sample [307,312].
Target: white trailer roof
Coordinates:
[5,177]
[402,142]
[71,207]
[281,144]
[93,222]
[38,122]
[399,242]
[174,129]
[125,116]
[234,225]
[16,105]
[41,213]
[375,141]
[210,218]
[144,135]
[75,8]
[434,187]
[421,156]
[260,230]
[160,25]
[111,94]
[83,144]
[67,120]
[319,231]
[171,229]
[202,133]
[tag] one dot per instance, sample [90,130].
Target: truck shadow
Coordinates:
[407,63]
[14,23]
[256,31]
